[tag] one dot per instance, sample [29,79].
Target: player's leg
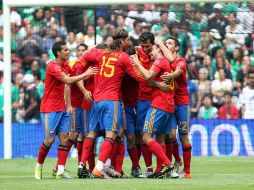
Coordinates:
[92,128]
[142,108]
[155,119]
[183,116]
[63,149]
[131,118]
[111,121]
[49,123]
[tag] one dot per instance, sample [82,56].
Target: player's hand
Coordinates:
[88,96]
[159,41]
[166,77]
[70,109]
[135,59]
[91,71]
[163,86]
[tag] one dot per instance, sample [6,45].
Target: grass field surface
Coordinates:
[215,173]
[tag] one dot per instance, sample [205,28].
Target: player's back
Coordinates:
[181,94]
[109,79]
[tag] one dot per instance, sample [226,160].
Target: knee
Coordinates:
[73,136]
[146,138]
[92,134]
[184,139]
[49,141]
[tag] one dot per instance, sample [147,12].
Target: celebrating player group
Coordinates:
[118,91]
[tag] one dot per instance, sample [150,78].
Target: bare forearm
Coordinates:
[145,73]
[69,80]
[67,95]
[169,55]
[81,86]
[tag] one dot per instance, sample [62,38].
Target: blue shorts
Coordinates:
[131,119]
[181,119]
[157,121]
[94,121]
[77,123]
[142,108]
[109,115]
[54,122]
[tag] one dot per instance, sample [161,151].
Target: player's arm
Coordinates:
[67,96]
[89,72]
[87,94]
[166,77]
[168,54]
[147,74]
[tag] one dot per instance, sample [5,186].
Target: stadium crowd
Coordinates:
[217,40]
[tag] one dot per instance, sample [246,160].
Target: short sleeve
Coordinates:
[56,71]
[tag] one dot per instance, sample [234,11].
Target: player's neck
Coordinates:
[60,61]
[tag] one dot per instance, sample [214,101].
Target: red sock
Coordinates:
[88,147]
[157,150]
[70,143]
[133,153]
[120,157]
[176,151]
[138,151]
[159,164]
[62,154]
[186,157]
[79,147]
[169,150]
[147,157]
[91,161]
[43,151]
[106,148]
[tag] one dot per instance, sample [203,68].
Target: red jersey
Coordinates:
[163,100]
[181,95]
[130,91]
[76,95]
[230,112]
[145,91]
[53,98]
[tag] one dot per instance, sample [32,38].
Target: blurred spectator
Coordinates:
[204,85]
[240,77]
[215,42]
[89,39]
[235,36]
[74,19]
[217,21]
[207,63]
[188,15]
[36,20]
[48,20]
[50,39]
[29,102]
[36,70]
[221,64]
[134,34]
[15,94]
[207,111]
[245,15]
[236,62]
[31,44]
[220,86]
[247,96]
[72,45]
[198,24]
[228,110]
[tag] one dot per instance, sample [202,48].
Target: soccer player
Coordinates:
[130,94]
[146,40]
[159,115]
[55,116]
[77,125]
[107,94]
[182,102]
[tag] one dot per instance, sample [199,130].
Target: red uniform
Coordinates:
[145,91]
[230,112]
[181,95]
[163,100]
[76,95]
[130,91]
[53,98]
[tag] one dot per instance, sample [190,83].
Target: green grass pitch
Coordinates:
[215,173]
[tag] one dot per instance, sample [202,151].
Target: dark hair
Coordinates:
[101,46]
[136,22]
[131,50]
[227,93]
[83,45]
[57,47]
[119,35]
[177,43]
[145,36]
